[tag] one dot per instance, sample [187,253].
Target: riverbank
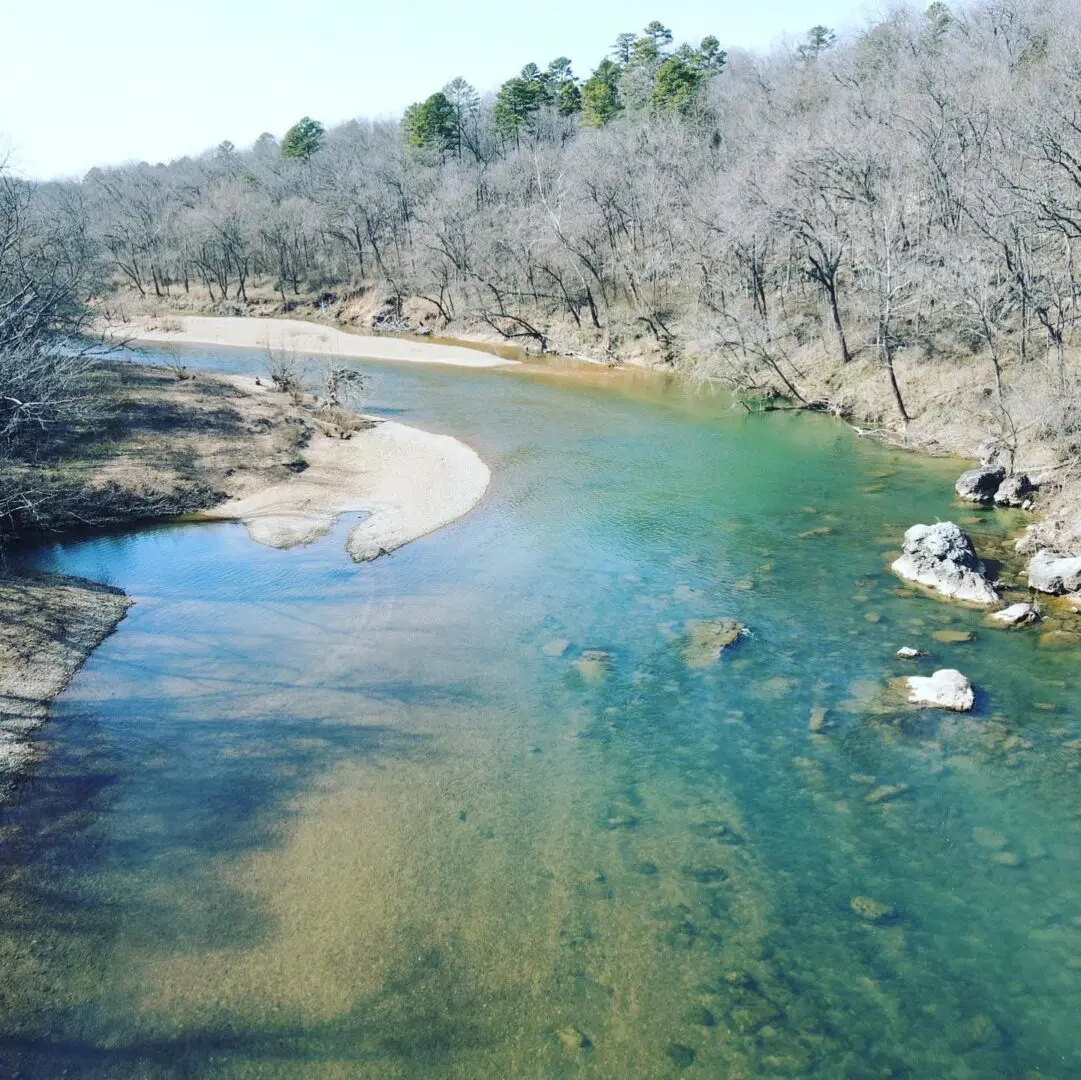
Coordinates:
[408,482]
[49,625]
[216,449]
[297,336]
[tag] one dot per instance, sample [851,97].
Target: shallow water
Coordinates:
[305,818]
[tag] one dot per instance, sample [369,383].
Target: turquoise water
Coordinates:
[305,818]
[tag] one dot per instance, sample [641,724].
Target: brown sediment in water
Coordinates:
[385,911]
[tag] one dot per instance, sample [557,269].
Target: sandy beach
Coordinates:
[407,481]
[298,336]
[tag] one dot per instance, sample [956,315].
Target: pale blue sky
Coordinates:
[88,82]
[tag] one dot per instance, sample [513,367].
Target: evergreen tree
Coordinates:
[518,100]
[600,95]
[680,77]
[938,19]
[431,123]
[622,48]
[564,92]
[819,39]
[302,141]
[465,101]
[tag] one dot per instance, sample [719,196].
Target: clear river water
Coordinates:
[477,810]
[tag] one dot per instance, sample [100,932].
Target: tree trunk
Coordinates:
[835,313]
[894,387]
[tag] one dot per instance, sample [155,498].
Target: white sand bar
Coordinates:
[409,482]
[301,337]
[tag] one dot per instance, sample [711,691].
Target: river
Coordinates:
[468,811]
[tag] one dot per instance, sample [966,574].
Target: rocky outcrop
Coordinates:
[992,451]
[1059,534]
[1016,615]
[945,689]
[980,485]
[1015,490]
[1055,574]
[942,558]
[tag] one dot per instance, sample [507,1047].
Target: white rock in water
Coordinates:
[1016,615]
[946,689]
[941,557]
[906,652]
[1056,574]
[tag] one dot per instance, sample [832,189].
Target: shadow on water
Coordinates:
[416,1021]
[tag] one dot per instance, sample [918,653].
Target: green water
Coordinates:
[300,818]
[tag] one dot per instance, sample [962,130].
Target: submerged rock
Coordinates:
[984,1032]
[1055,574]
[556,648]
[988,838]
[706,875]
[945,689]
[871,910]
[980,485]
[571,1038]
[1016,615]
[819,720]
[681,1056]
[953,637]
[941,557]
[701,1017]
[707,638]
[885,792]
[593,664]
[1015,490]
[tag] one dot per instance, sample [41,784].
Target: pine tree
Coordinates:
[303,139]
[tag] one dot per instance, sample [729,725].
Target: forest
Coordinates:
[883,222]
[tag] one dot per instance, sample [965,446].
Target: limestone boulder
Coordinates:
[1016,615]
[1055,574]
[945,689]
[980,485]
[942,558]
[1015,490]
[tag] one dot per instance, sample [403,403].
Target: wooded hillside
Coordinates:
[869,221]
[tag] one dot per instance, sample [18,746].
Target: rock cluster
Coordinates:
[991,483]
[941,557]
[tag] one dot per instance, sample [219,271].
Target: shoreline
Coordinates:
[49,626]
[407,481]
[410,482]
[296,335]
[1051,517]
